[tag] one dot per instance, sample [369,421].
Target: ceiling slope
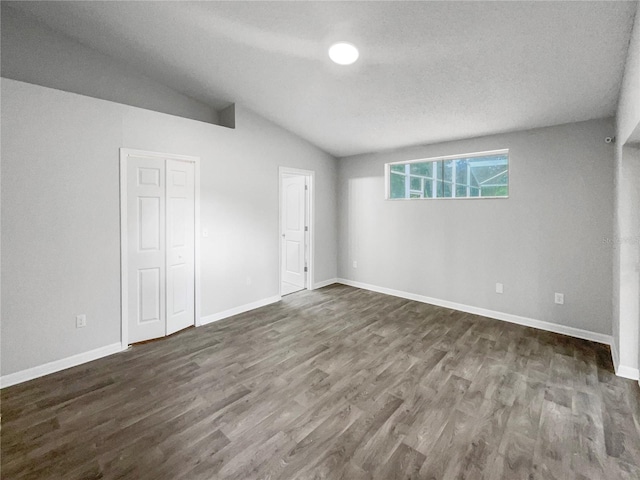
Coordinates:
[428,71]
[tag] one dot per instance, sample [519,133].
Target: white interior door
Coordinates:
[160,247]
[146,248]
[180,245]
[293,211]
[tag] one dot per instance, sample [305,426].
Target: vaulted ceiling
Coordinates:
[428,71]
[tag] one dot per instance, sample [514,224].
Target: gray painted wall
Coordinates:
[33,53]
[60,213]
[549,236]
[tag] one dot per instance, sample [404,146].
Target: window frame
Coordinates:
[387,174]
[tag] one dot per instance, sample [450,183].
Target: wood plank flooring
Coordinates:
[338,383]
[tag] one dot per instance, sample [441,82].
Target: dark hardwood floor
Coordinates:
[337,383]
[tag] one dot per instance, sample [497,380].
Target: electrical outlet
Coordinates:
[355,264]
[559,298]
[499,288]
[81,321]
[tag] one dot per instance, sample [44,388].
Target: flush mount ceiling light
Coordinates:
[343,53]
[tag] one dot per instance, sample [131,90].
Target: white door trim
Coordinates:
[124,292]
[311,177]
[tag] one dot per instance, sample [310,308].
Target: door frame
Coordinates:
[310,215]
[125,153]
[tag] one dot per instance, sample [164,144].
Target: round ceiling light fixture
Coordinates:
[343,53]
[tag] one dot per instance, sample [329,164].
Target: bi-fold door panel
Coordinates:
[161,246]
[146,248]
[180,244]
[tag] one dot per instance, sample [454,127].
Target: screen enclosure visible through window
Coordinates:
[473,175]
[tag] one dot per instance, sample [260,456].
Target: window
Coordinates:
[475,175]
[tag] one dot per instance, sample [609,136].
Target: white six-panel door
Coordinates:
[293,233]
[146,248]
[160,247]
[180,245]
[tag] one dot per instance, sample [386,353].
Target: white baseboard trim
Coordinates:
[325,283]
[622,370]
[615,356]
[628,372]
[58,365]
[507,317]
[214,317]
[74,360]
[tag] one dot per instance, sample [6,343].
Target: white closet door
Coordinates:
[180,245]
[146,248]
[293,226]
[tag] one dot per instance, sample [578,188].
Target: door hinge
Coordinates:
[306,229]
[305,268]
[306,187]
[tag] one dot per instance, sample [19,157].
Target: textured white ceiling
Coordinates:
[428,71]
